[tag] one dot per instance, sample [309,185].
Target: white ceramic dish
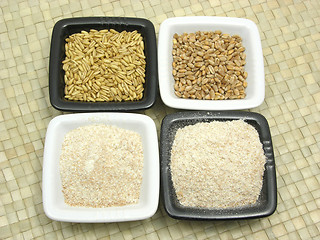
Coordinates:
[53,200]
[254,66]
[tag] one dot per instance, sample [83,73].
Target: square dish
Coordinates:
[254,66]
[267,201]
[66,27]
[53,199]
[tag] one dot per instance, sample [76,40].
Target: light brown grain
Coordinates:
[215,58]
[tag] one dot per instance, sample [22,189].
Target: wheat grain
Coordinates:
[208,55]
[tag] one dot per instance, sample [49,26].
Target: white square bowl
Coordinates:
[53,199]
[246,29]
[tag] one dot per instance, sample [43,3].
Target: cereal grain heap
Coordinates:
[209,66]
[104,65]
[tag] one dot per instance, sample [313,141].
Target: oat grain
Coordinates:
[101,56]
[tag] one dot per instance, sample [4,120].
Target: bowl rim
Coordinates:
[176,210]
[123,23]
[59,211]
[164,44]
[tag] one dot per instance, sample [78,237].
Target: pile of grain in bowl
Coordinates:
[217,164]
[104,65]
[209,65]
[101,166]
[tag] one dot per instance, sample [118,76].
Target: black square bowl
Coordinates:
[66,27]
[267,201]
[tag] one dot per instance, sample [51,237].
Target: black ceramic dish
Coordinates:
[66,27]
[267,201]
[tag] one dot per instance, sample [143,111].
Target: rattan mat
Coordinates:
[290,34]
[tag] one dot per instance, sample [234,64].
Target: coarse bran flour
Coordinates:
[217,164]
[101,166]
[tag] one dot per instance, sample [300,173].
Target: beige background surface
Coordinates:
[291,41]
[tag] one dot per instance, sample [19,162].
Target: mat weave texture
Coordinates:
[290,34]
